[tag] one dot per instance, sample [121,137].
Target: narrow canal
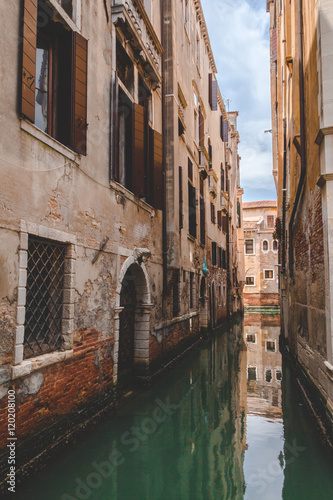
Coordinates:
[227,423]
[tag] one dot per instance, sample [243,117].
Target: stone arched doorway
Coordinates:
[132,322]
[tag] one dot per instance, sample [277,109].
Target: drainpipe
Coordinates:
[284,190]
[303,138]
[164,215]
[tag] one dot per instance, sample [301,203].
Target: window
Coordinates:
[54,75]
[222,177]
[192,210]
[138,148]
[268,375]
[175,293]
[191,290]
[186,5]
[265,246]
[249,281]
[249,247]
[225,223]
[201,129]
[212,86]
[270,221]
[220,259]
[210,153]
[269,274]
[198,52]
[251,338]
[202,213]
[278,375]
[252,373]
[212,212]
[190,170]
[270,346]
[44,299]
[214,261]
[219,219]
[224,129]
[275,245]
[180,178]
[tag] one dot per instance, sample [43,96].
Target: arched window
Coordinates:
[275,245]
[265,245]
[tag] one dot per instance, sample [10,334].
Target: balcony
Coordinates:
[130,17]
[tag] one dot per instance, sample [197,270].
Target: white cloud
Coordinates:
[239,34]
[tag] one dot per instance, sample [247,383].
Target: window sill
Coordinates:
[49,141]
[132,197]
[33,364]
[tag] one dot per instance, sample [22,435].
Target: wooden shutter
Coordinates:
[201,129]
[29,59]
[274,45]
[225,130]
[79,93]
[219,219]
[202,220]
[212,92]
[115,124]
[192,210]
[138,168]
[180,179]
[158,171]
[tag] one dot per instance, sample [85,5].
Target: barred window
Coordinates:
[44,302]
[249,247]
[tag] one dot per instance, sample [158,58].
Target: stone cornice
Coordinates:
[200,14]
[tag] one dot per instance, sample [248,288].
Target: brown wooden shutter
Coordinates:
[225,130]
[180,178]
[202,220]
[115,124]
[29,59]
[158,171]
[79,93]
[201,129]
[139,181]
[212,92]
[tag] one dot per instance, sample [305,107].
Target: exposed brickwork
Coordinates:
[66,386]
[317,239]
[261,299]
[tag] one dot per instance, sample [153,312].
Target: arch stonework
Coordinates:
[142,315]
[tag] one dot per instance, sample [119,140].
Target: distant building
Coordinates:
[261,254]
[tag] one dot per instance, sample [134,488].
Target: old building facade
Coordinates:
[302,120]
[261,255]
[108,175]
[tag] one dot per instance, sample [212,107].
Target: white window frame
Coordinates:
[277,242]
[276,371]
[255,338]
[272,375]
[254,280]
[269,350]
[254,248]
[25,366]
[262,246]
[268,279]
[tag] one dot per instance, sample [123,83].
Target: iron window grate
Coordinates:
[45,283]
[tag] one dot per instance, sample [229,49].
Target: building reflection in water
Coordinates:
[264,463]
[211,428]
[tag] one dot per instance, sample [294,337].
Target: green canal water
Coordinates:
[226,423]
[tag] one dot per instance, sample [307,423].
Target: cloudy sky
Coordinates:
[239,34]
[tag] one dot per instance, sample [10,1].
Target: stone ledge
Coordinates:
[31,365]
[173,321]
